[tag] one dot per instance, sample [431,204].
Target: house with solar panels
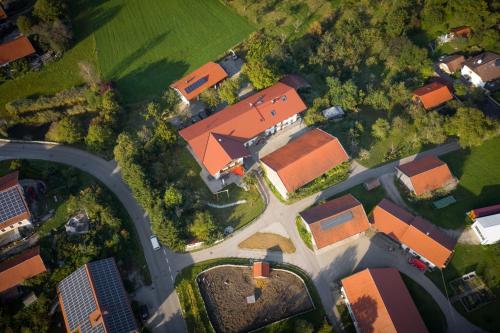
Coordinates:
[14,211]
[193,84]
[337,221]
[93,299]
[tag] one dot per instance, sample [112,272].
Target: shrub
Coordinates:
[66,130]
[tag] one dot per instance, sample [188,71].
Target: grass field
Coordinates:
[142,45]
[479,174]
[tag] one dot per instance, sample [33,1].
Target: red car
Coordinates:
[417,263]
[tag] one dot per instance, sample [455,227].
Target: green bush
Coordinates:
[303,233]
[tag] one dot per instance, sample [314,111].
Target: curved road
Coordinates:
[324,268]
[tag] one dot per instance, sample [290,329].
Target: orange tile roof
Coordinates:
[306,158]
[463,31]
[3,14]
[354,224]
[381,302]
[427,174]
[8,182]
[433,94]
[21,267]
[209,74]
[241,122]
[261,269]
[15,49]
[417,233]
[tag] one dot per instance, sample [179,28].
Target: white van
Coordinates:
[155,243]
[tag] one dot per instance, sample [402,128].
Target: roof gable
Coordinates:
[427,174]
[306,158]
[433,94]
[15,49]
[21,267]
[199,80]
[221,150]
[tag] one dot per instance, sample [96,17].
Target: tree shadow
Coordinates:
[366,310]
[90,15]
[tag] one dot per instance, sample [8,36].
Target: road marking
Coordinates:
[169,269]
[171,278]
[165,253]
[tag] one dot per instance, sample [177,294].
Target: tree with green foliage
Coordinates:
[172,197]
[460,88]
[228,91]
[345,94]
[24,24]
[170,101]
[429,125]
[381,128]
[303,326]
[260,69]
[471,126]
[210,97]
[66,130]
[100,137]
[49,10]
[203,227]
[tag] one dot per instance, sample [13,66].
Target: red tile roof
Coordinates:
[427,174]
[241,122]
[486,211]
[9,182]
[306,158]
[381,302]
[462,31]
[15,49]
[261,269]
[21,267]
[433,94]
[415,232]
[351,220]
[209,74]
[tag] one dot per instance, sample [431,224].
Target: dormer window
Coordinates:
[283,98]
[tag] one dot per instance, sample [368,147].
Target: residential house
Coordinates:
[14,211]
[302,160]
[452,63]
[15,49]
[486,224]
[425,175]
[335,222]
[17,269]
[220,142]
[378,301]
[482,69]
[261,269]
[93,299]
[193,84]
[432,95]
[419,236]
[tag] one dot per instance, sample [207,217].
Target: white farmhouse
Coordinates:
[486,224]
[482,68]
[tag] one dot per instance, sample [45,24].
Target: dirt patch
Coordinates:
[268,241]
[225,291]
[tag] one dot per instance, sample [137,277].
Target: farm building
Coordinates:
[192,85]
[261,269]
[93,299]
[378,301]
[432,95]
[424,175]
[302,160]
[335,221]
[419,236]
[17,269]
[452,64]
[220,141]
[15,49]
[14,211]
[486,224]
[482,69]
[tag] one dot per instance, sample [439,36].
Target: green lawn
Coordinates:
[479,174]
[485,260]
[145,45]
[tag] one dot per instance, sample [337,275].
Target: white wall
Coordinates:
[275,180]
[23,223]
[472,77]
[405,180]
[491,233]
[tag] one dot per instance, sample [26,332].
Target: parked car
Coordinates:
[155,243]
[144,312]
[417,263]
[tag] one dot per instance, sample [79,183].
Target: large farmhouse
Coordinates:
[378,301]
[419,236]
[303,160]
[424,175]
[193,84]
[220,141]
[433,95]
[335,221]
[482,68]
[15,49]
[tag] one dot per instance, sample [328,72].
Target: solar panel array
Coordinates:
[11,204]
[112,296]
[336,221]
[196,84]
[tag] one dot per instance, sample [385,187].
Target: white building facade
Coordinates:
[487,229]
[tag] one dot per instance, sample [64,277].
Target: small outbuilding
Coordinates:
[261,269]
[486,224]
[432,95]
[452,63]
[334,112]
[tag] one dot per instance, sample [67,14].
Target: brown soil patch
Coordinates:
[268,241]
[225,290]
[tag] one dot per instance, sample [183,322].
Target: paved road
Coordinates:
[323,268]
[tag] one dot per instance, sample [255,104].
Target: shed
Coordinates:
[333,112]
[261,269]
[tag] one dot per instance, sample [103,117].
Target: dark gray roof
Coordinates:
[78,302]
[11,203]
[486,65]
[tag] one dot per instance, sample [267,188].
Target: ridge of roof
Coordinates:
[420,165]
[15,49]
[20,267]
[200,79]
[329,208]
[9,180]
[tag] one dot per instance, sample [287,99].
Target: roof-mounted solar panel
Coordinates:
[196,84]
[335,221]
[11,204]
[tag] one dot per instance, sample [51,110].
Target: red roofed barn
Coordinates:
[424,175]
[19,268]
[220,141]
[335,221]
[193,84]
[433,94]
[302,160]
[15,49]
[378,301]
[420,236]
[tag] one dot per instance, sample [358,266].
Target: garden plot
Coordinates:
[226,291]
[471,291]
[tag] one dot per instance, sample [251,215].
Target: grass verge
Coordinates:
[303,233]
[268,241]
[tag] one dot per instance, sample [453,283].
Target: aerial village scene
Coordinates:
[303,166]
